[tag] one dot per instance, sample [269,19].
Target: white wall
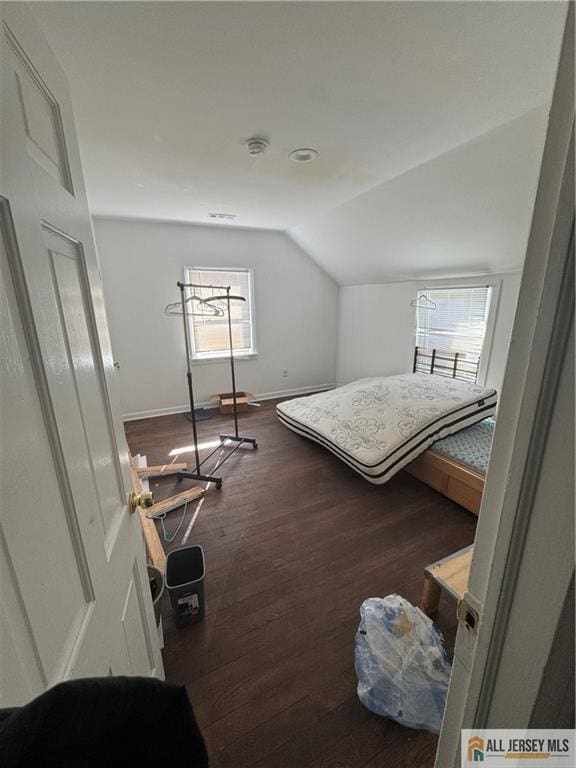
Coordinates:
[377,327]
[296,307]
[303,323]
[376,323]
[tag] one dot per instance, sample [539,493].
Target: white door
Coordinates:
[74,593]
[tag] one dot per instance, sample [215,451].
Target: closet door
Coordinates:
[75,592]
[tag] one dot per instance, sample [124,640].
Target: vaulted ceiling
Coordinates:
[429,118]
[465,212]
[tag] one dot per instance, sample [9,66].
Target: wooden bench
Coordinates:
[449,575]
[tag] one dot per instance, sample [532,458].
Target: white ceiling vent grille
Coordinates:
[222,216]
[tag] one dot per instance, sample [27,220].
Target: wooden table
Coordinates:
[450,574]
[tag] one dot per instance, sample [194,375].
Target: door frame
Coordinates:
[539,346]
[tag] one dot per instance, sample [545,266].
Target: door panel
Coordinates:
[41,116]
[136,633]
[79,597]
[70,297]
[43,555]
[16,671]
[21,673]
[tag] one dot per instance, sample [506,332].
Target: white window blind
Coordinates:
[209,334]
[456,325]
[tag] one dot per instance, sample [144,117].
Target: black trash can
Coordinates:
[156,580]
[185,584]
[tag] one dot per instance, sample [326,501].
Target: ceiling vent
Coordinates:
[256,146]
[222,216]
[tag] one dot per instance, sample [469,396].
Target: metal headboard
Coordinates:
[456,365]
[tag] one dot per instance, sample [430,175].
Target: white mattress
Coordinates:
[379,425]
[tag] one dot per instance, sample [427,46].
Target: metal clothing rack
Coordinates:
[197,473]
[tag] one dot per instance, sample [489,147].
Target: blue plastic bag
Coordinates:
[402,668]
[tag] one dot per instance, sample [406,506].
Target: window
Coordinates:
[209,333]
[451,336]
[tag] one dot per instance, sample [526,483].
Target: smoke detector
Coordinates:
[303,155]
[257,146]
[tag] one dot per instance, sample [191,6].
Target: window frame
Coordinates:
[495,285]
[218,357]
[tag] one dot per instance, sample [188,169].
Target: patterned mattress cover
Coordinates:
[380,424]
[470,446]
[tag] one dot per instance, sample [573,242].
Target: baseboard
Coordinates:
[163,411]
[293,392]
[210,403]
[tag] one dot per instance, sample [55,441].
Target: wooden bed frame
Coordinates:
[451,478]
[448,476]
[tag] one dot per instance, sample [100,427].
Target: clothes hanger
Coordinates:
[222,298]
[175,308]
[427,302]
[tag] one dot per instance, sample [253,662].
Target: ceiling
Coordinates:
[466,212]
[165,94]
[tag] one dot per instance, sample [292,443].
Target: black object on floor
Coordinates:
[103,721]
[200,414]
[185,570]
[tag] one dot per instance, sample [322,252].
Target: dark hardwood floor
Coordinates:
[294,542]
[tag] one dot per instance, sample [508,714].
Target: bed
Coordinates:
[456,466]
[379,425]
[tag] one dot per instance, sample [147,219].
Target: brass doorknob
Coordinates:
[143,499]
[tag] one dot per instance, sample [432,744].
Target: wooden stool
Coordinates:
[451,575]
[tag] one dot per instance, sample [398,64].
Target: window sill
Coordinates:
[224,358]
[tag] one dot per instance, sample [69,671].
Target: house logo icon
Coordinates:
[475,750]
